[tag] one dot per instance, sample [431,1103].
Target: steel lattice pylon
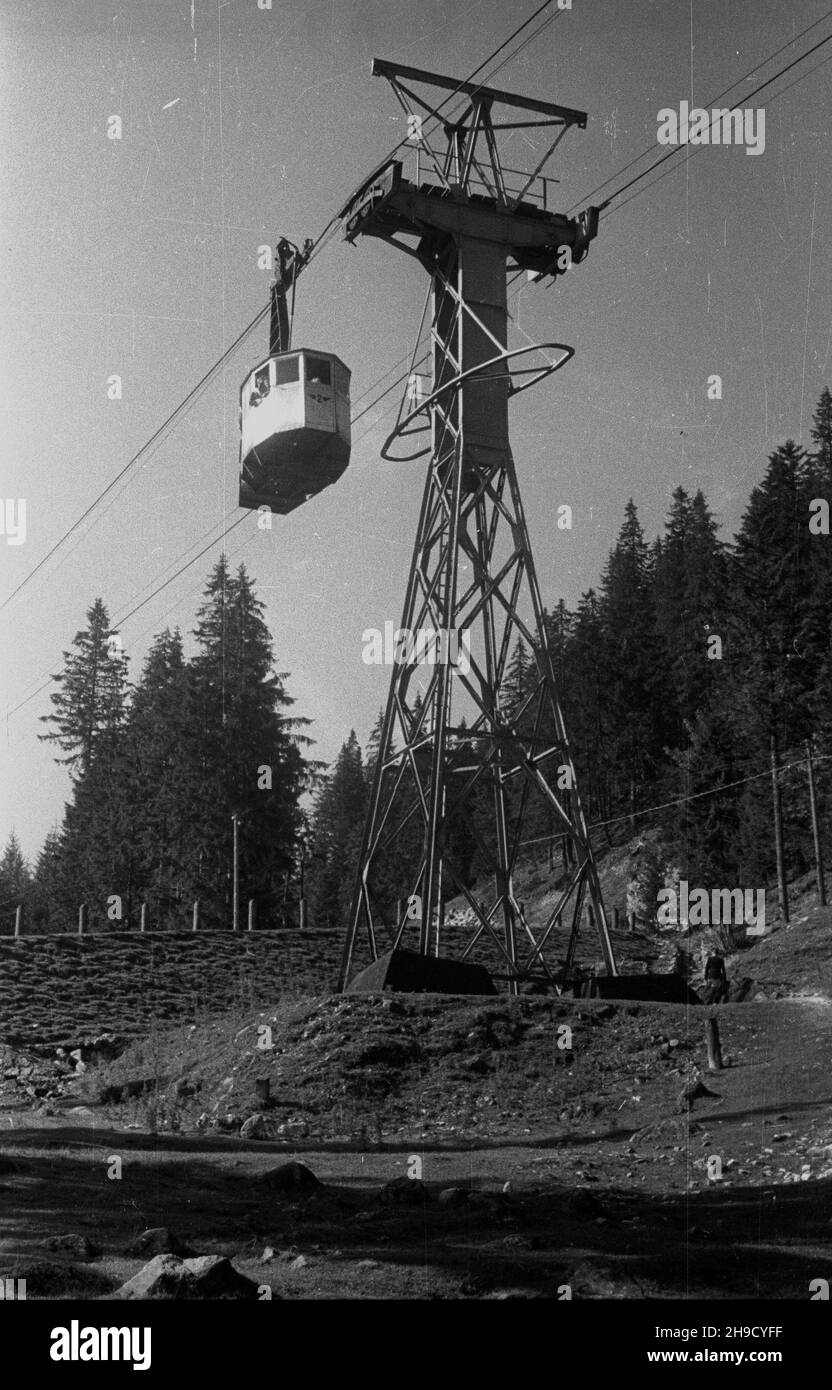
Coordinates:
[450,737]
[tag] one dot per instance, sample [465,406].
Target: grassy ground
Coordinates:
[616,1188]
[614,1197]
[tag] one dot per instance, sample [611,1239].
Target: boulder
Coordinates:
[453,1197]
[77,1246]
[165,1276]
[404,1192]
[158,1240]
[591,1280]
[294,1179]
[255,1127]
[204,1276]
[216,1277]
[293,1129]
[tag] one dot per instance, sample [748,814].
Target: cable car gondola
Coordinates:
[294,411]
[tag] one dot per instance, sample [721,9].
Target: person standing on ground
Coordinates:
[716,979]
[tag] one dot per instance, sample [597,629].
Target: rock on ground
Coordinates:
[453,1197]
[159,1240]
[404,1192]
[293,1178]
[78,1246]
[205,1276]
[255,1127]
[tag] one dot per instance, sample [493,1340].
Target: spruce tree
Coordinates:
[587,711]
[244,751]
[771,582]
[637,661]
[161,780]
[89,725]
[821,433]
[15,879]
[337,823]
[51,898]
[90,700]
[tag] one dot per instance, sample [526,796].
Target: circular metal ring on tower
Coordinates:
[538,374]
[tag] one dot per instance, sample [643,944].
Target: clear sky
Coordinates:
[139,257]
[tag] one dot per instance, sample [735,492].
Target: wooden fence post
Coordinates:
[252,913]
[714,1047]
[196,915]
[18,920]
[143,917]
[82,919]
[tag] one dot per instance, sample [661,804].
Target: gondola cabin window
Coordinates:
[286,370]
[318,372]
[261,386]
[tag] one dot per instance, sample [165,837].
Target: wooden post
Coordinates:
[782,890]
[143,917]
[82,919]
[235,877]
[18,920]
[631,922]
[261,1088]
[813,803]
[252,913]
[196,914]
[714,1047]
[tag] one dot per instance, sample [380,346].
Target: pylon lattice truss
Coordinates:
[451,739]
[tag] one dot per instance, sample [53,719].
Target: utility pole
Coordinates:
[301,896]
[470,221]
[813,803]
[782,890]
[235,876]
